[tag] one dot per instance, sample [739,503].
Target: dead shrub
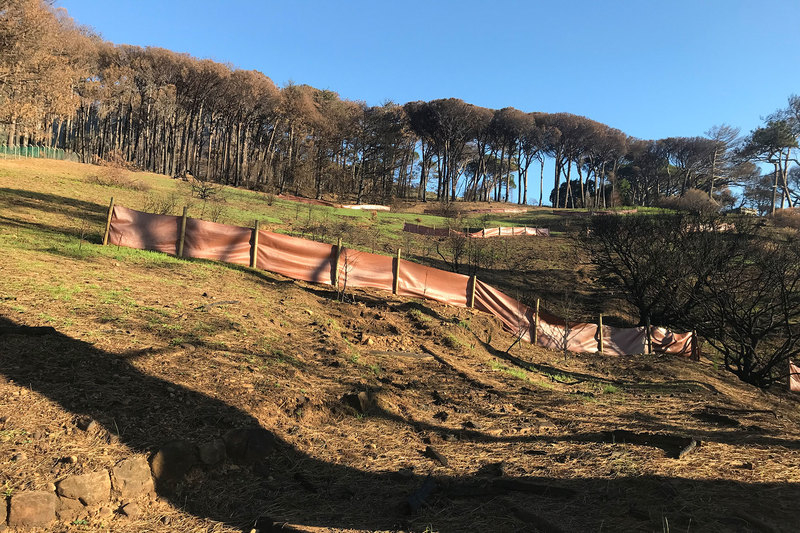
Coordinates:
[787,218]
[447,210]
[204,189]
[114,159]
[216,210]
[693,201]
[118,177]
[161,205]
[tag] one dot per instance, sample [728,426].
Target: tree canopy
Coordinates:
[62,86]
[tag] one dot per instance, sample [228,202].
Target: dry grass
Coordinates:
[136,352]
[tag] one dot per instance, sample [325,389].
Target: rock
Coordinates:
[212,452]
[86,424]
[132,477]
[89,489]
[172,462]
[32,509]
[130,510]
[69,510]
[434,454]
[249,445]
[360,402]
[19,457]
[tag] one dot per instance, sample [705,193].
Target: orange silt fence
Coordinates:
[316,262]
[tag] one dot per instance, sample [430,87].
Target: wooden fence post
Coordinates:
[108,221]
[649,337]
[338,254]
[536,324]
[254,250]
[600,335]
[183,231]
[473,281]
[396,282]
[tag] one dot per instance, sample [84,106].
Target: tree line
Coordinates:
[62,86]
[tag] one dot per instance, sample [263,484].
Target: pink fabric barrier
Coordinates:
[517,317]
[794,377]
[582,338]
[579,337]
[144,231]
[220,242]
[622,341]
[511,232]
[425,230]
[484,233]
[314,262]
[435,210]
[295,258]
[362,269]
[425,282]
[667,341]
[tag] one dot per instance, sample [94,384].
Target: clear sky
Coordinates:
[650,68]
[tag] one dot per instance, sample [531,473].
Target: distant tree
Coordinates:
[568,195]
[773,143]
[724,137]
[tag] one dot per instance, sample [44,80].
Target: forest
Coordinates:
[62,86]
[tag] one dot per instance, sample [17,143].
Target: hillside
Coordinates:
[157,350]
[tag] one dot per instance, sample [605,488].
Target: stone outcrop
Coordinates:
[132,478]
[89,489]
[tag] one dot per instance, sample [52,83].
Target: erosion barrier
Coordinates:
[496,210]
[312,201]
[346,268]
[484,233]
[794,377]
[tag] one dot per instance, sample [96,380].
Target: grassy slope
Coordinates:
[137,351]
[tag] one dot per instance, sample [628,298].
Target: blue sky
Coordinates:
[652,69]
